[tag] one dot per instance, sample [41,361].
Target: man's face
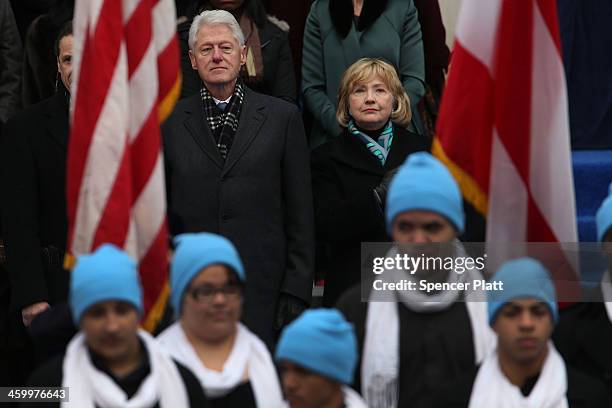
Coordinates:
[523,328]
[305,389]
[111,329]
[212,303]
[64,61]
[421,227]
[217,56]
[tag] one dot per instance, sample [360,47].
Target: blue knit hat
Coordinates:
[424,183]
[107,274]
[522,278]
[604,216]
[322,341]
[195,252]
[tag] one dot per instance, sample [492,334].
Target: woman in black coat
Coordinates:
[351,173]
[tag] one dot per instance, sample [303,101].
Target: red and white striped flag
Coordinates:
[503,128]
[126,81]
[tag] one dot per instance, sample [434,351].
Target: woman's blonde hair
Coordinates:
[363,71]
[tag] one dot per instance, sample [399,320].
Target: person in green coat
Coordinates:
[338,33]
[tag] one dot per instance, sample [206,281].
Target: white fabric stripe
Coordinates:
[78,29]
[86,13]
[128,8]
[507,213]
[143,91]
[550,176]
[103,158]
[131,240]
[164,23]
[149,211]
[479,42]
[93,8]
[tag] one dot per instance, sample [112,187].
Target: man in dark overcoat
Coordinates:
[34,210]
[237,164]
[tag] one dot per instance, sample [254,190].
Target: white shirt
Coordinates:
[217,101]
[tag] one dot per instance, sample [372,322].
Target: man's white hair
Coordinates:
[212,17]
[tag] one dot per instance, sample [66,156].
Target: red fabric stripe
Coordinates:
[98,61]
[144,152]
[567,283]
[513,65]
[168,67]
[538,229]
[154,267]
[548,9]
[466,116]
[138,34]
[115,219]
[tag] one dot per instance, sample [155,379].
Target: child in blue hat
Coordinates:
[424,209]
[318,355]
[232,364]
[525,370]
[110,362]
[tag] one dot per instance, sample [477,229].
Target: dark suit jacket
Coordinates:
[344,174]
[34,204]
[260,198]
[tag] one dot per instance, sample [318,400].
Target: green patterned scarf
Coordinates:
[379,148]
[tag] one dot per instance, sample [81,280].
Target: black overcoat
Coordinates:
[344,174]
[260,197]
[34,202]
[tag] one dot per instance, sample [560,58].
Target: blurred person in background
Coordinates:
[411,341]
[584,333]
[34,210]
[525,369]
[317,354]
[232,364]
[10,64]
[40,79]
[112,363]
[10,75]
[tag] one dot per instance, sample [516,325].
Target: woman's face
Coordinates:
[212,304]
[370,104]
[228,5]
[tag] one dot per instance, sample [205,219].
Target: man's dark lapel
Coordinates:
[252,117]
[197,127]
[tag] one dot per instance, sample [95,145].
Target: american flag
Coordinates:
[503,128]
[126,81]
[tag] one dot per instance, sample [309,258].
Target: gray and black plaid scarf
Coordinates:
[223,124]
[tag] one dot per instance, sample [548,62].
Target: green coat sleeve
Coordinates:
[412,59]
[313,76]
